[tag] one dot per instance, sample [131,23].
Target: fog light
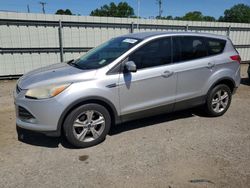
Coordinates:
[32,120]
[25,115]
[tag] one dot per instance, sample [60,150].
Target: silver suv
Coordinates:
[128,77]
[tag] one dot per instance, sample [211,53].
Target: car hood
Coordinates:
[54,74]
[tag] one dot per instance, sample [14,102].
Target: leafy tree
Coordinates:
[193,16]
[238,13]
[165,18]
[209,18]
[123,9]
[64,12]
[169,17]
[178,18]
[190,16]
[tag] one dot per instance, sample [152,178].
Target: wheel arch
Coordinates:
[224,80]
[95,99]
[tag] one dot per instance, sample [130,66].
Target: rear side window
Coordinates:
[188,48]
[154,53]
[215,46]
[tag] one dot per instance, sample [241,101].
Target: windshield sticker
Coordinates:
[102,61]
[131,41]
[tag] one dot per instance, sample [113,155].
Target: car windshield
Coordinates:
[105,53]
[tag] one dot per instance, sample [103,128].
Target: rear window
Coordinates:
[188,48]
[215,46]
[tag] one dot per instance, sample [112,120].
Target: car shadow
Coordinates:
[245,81]
[39,139]
[155,120]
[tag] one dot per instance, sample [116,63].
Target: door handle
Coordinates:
[167,74]
[210,65]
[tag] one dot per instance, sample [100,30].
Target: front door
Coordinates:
[153,86]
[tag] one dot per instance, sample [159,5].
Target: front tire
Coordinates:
[87,125]
[218,100]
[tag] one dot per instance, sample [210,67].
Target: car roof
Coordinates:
[145,35]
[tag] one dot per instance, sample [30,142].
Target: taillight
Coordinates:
[236,58]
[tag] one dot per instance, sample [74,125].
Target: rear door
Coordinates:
[195,66]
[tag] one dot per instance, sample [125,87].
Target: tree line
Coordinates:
[238,13]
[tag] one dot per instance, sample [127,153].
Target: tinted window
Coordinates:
[176,49]
[155,53]
[188,48]
[215,46]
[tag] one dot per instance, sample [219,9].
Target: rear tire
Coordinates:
[87,125]
[218,100]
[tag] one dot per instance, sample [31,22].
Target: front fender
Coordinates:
[85,92]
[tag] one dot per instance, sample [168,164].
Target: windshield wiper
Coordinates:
[74,64]
[70,62]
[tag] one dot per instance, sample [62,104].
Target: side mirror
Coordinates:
[130,66]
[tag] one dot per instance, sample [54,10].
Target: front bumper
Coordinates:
[45,113]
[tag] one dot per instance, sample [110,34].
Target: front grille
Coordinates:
[24,114]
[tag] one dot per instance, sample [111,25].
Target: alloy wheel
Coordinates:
[88,126]
[220,101]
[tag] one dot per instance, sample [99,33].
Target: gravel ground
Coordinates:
[183,149]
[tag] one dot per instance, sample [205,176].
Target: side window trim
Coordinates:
[117,69]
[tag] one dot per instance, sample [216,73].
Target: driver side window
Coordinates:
[154,53]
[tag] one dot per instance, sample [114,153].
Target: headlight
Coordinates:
[46,91]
